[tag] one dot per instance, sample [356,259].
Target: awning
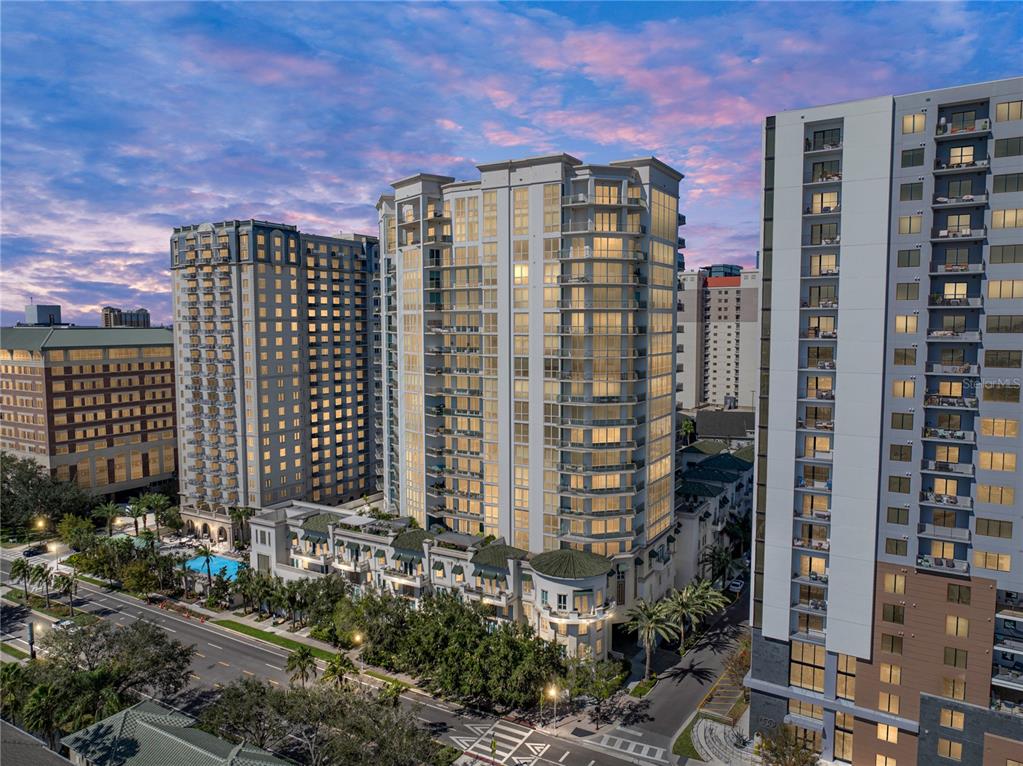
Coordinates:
[439,565]
[671,538]
[490,575]
[457,569]
[527,577]
[381,554]
[399,556]
[365,549]
[353,546]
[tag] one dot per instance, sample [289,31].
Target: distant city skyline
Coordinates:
[107,146]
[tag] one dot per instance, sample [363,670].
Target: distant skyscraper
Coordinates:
[115,317]
[92,405]
[888,574]
[529,345]
[273,332]
[42,314]
[718,341]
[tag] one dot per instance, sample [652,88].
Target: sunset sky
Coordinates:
[121,121]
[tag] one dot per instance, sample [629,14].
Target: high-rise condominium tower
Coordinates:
[529,344]
[888,613]
[717,336]
[273,336]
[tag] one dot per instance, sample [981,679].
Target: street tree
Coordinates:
[687,607]
[42,576]
[76,532]
[42,713]
[301,665]
[338,668]
[205,553]
[21,571]
[719,562]
[649,621]
[247,710]
[106,513]
[66,584]
[782,748]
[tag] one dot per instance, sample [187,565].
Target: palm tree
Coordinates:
[301,664]
[206,554]
[648,621]
[691,604]
[242,586]
[42,712]
[338,666]
[159,505]
[137,509]
[107,512]
[294,591]
[738,532]
[182,561]
[688,429]
[43,575]
[239,517]
[65,584]
[22,570]
[719,561]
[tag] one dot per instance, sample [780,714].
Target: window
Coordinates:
[805,709]
[911,158]
[903,389]
[1008,182]
[1005,288]
[958,594]
[890,674]
[846,679]
[1010,323]
[891,644]
[1008,110]
[953,688]
[1003,428]
[901,452]
[910,224]
[908,258]
[888,702]
[955,658]
[894,583]
[951,719]
[899,484]
[907,291]
[994,392]
[806,666]
[893,613]
[960,155]
[1003,358]
[957,626]
[911,191]
[999,562]
[824,139]
[902,421]
[898,515]
[905,356]
[887,733]
[997,461]
[895,547]
[1006,253]
[1009,147]
[996,495]
[949,749]
[1010,218]
[884,760]
[913,123]
[905,323]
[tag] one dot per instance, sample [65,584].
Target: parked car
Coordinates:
[736,586]
[68,625]
[33,550]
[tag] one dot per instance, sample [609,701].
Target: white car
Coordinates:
[69,625]
[736,586]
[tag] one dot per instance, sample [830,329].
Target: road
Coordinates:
[222,657]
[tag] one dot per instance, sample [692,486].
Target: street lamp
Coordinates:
[40,523]
[552,692]
[357,640]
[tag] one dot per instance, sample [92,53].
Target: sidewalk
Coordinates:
[718,742]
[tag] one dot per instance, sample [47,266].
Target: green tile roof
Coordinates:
[317,525]
[40,338]
[746,453]
[412,540]
[149,734]
[707,446]
[570,564]
[496,556]
[699,473]
[727,462]
[698,489]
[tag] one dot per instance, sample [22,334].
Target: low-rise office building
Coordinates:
[92,405]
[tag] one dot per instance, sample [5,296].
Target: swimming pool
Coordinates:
[218,564]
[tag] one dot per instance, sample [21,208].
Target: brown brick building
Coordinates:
[93,405]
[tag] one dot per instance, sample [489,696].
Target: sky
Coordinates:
[120,121]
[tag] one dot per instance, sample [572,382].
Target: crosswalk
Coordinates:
[633,748]
[498,742]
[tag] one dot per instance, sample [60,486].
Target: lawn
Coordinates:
[643,687]
[387,679]
[13,651]
[445,755]
[684,744]
[273,638]
[56,610]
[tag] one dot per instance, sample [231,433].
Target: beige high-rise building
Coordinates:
[274,346]
[529,344]
[718,337]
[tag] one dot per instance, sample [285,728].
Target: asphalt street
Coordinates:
[222,657]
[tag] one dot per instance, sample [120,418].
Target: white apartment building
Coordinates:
[718,337]
[529,356]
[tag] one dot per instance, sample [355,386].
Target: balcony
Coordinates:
[936,368]
[817,546]
[587,252]
[813,484]
[950,402]
[940,466]
[360,565]
[958,336]
[811,606]
[937,301]
[582,198]
[825,303]
[400,577]
[577,616]
[1008,678]
[825,178]
[816,149]
[822,274]
[618,305]
[949,435]
[975,128]
[953,534]
[940,202]
[958,234]
[437,239]
[823,211]
[590,227]
[814,579]
[824,242]
[960,502]
[819,395]
[975,166]
[814,333]
[938,269]
[816,425]
[948,566]
[819,456]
